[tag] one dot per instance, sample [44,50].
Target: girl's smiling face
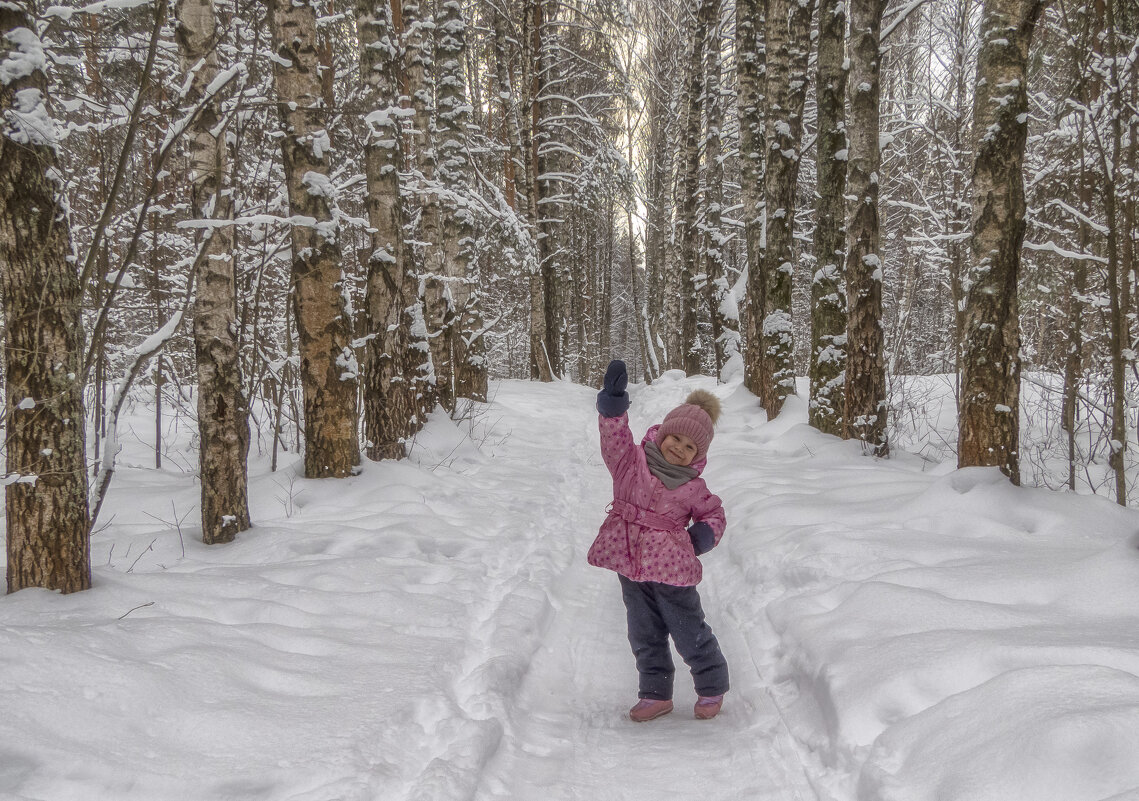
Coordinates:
[678,449]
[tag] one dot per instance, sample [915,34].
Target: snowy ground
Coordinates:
[429,630]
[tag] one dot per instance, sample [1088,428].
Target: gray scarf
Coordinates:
[671,475]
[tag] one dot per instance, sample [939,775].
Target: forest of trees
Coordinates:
[310,223]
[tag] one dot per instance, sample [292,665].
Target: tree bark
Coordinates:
[223,412]
[548,209]
[515,162]
[392,410]
[989,418]
[438,305]
[958,221]
[864,411]
[48,526]
[751,67]
[662,124]
[329,371]
[787,37]
[688,344]
[1117,280]
[828,287]
[468,351]
[542,334]
[1073,362]
[639,298]
[725,323]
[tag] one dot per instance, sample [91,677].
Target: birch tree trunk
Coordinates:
[520,158]
[828,289]
[545,106]
[864,412]
[517,192]
[392,411]
[48,526]
[1073,363]
[1111,156]
[725,326]
[660,110]
[751,67]
[639,298]
[958,222]
[787,38]
[541,335]
[468,351]
[438,305]
[989,417]
[672,295]
[223,412]
[688,343]
[640,302]
[328,362]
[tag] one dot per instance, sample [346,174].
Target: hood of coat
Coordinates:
[651,436]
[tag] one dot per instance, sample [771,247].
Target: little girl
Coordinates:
[647,540]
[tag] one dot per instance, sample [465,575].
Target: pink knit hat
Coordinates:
[693,418]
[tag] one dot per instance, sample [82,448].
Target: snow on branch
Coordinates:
[1079,215]
[179,127]
[65,13]
[141,355]
[1052,247]
[901,16]
[485,329]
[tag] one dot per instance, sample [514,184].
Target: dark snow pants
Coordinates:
[656,611]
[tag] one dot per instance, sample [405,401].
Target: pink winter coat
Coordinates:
[645,535]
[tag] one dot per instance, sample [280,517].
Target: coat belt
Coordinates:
[646,518]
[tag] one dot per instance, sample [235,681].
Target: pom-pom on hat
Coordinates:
[693,418]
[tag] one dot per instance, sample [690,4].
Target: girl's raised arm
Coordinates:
[613,405]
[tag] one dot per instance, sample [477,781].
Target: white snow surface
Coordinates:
[429,629]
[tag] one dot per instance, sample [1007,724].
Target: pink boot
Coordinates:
[649,708]
[708,707]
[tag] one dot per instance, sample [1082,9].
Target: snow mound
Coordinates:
[444,441]
[1046,733]
[900,600]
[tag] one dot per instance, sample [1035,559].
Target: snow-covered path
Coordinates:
[566,737]
[568,740]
